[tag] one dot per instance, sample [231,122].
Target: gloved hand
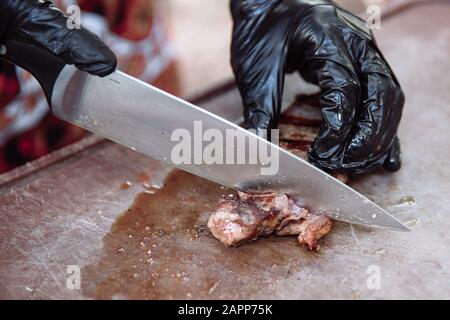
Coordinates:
[361,100]
[41,23]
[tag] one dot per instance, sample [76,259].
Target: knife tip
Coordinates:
[404,228]
[399,226]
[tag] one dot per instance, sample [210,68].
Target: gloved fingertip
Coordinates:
[393,162]
[98,69]
[89,53]
[107,65]
[258,121]
[103,71]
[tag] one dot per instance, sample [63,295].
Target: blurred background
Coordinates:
[181,46]
[204,62]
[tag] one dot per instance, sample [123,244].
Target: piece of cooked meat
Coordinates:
[253,216]
[312,229]
[248,217]
[309,229]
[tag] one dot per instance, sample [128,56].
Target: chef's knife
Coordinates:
[142,117]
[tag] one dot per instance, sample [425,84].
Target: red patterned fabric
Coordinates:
[142,51]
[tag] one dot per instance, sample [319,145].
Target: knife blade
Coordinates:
[143,118]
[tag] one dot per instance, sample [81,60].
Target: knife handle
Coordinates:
[40,62]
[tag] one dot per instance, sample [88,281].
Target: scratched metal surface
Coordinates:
[60,215]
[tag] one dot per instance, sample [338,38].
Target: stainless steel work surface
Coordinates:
[69,211]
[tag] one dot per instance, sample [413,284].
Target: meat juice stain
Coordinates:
[144,177]
[125,185]
[160,248]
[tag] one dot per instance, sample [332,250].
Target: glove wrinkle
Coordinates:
[361,100]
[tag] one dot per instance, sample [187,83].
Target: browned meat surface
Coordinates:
[248,217]
[309,229]
[251,216]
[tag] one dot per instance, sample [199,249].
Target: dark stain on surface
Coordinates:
[161,248]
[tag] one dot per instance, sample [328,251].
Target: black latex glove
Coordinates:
[42,24]
[361,100]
